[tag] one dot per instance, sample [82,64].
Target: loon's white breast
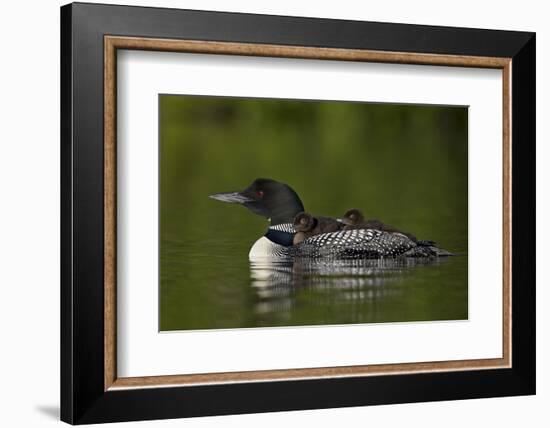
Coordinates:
[265,248]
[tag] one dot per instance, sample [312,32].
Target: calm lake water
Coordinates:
[405,165]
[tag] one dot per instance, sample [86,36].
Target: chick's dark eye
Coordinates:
[260,193]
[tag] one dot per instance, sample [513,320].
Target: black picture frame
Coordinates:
[83,398]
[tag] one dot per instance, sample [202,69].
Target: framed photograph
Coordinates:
[265,213]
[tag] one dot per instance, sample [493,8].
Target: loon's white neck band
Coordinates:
[284,227]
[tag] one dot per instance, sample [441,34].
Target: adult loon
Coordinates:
[280,204]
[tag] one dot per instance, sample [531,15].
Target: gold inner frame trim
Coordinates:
[113,43]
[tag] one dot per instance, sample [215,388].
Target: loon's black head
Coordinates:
[269,198]
[352,217]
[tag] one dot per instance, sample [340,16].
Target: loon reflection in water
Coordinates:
[330,282]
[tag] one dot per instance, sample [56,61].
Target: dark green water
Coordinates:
[405,165]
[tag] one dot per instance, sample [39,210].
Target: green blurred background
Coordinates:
[406,165]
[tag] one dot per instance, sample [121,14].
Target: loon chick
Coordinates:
[354,219]
[280,204]
[306,226]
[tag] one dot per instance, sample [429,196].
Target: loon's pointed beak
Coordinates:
[231,197]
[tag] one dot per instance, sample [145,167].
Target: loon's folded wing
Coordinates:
[356,243]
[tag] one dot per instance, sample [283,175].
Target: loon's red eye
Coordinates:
[260,193]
